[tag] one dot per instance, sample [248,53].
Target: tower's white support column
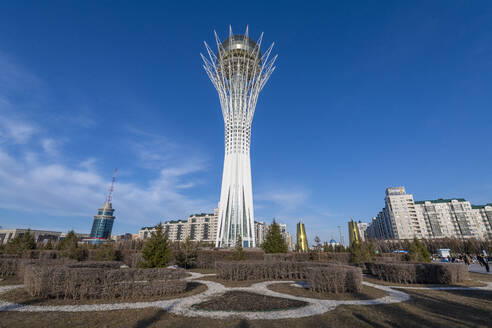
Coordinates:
[238,72]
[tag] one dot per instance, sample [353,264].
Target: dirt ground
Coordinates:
[366,293]
[244,301]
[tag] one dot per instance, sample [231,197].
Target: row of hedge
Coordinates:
[101,280]
[340,258]
[206,259]
[334,279]
[321,277]
[420,273]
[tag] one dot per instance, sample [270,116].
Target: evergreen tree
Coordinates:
[69,242]
[157,251]
[274,241]
[238,253]
[186,255]
[21,243]
[70,247]
[417,252]
[359,252]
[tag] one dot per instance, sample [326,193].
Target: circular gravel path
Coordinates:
[184,306]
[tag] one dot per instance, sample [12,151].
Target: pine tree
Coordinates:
[359,252]
[238,253]
[69,242]
[417,252]
[186,256]
[21,243]
[157,251]
[274,241]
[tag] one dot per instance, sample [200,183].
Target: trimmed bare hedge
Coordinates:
[334,279]
[206,259]
[420,273]
[321,277]
[8,267]
[16,266]
[132,258]
[256,270]
[76,282]
[339,258]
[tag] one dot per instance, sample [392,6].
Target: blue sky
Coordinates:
[366,95]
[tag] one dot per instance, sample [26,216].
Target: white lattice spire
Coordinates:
[239,72]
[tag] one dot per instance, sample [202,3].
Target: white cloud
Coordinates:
[49,146]
[58,190]
[283,198]
[14,130]
[35,177]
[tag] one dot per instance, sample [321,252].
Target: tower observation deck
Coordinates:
[239,71]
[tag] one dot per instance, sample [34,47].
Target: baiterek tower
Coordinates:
[238,71]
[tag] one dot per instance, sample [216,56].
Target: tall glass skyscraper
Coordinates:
[103,222]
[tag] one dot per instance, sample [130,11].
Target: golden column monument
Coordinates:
[302,244]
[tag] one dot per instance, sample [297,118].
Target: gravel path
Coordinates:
[183,306]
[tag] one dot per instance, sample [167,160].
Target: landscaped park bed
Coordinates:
[321,277]
[236,283]
[366,293]
[425,309]
[21,296]
[245,301]
[101,280]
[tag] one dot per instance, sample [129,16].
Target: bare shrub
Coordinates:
[78,282]
[8,267]
[206,258]
[132,258]
[278,257]
[96,264]
[422,273]
[256,270]
[41,254]
[334,279]
[339,258]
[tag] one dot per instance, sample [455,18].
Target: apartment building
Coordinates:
[404,218]
[198,227]
[483,217]
[203,227]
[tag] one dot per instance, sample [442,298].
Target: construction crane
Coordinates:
[109,199]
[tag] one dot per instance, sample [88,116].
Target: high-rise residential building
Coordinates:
[261,230]
[449,218]
[287,236]
[362,226]
[302,244]
[198,227]
[483,217]
[404,218]
[238,71]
